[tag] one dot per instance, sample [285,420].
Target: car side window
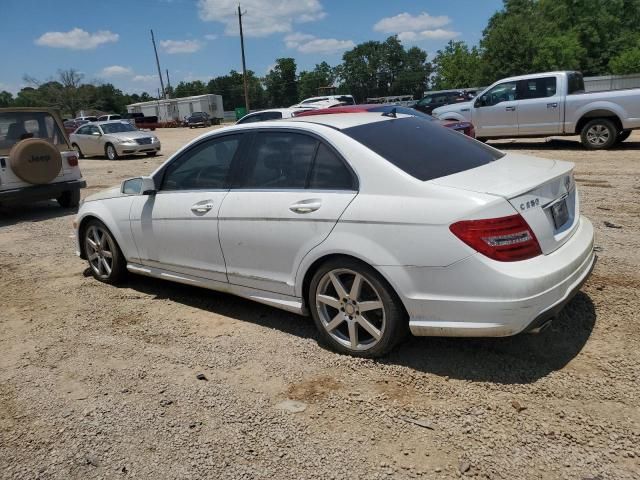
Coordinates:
[93,129]
[329,172]
[537,88]
[279,160]
[83,131]
[250,119]
[503,92]
[271,116]
[204,167]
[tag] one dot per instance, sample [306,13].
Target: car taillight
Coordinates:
[72,160]
[507,239]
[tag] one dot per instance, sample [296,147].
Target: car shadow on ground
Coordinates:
[520,359]
[32,212]
[555,144]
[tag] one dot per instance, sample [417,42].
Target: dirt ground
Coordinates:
[101,382]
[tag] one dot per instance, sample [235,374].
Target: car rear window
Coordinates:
[423,149]
[17,126]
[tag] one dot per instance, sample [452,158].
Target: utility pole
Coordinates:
[244,66]
[153,40]
[168,82]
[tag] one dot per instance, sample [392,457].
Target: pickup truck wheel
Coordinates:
[622,136]
[69,199]
[110,152]
[599,134]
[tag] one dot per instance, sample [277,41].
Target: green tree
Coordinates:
[309,82]
[625,62]
[281,85]
[6,99]
[457,66]
[189,89]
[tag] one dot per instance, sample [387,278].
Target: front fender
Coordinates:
[114,213]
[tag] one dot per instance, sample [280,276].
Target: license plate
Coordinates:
[560,213]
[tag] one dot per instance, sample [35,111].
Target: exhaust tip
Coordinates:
[542,327]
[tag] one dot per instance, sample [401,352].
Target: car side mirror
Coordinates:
[139,186]
[97,134]
[480,102]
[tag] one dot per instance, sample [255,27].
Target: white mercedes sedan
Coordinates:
[374,224]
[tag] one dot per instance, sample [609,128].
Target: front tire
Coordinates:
[106,262]
[111,152]
[599,134]
[355,310]
[151,154]
[77,149]
[69,199]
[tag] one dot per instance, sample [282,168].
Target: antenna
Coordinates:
[244,66]
[153,40]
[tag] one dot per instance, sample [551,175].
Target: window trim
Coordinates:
[521,88]
[159,176]
[237,170]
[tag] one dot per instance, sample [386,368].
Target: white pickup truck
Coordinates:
[549,104]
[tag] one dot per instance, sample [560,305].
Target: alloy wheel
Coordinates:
[351,310]
[598,135]
[100,250]
[111,152]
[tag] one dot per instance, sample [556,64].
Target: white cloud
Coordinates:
[180,46]
[145,78]
[115,71]
[405,22]
[262,17]
[76,39]
[210,36]
[437,34]
[305,43]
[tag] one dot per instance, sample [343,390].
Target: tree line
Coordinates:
[596,37]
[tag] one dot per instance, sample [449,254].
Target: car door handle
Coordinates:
[552,105]
[306,206]
[510,109]
[202,207]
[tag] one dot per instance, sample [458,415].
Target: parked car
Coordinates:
[270,114]
[463,127]
[373,224]
[440,98]
[106,118]
[325,101]
[140,121]
[553,103]
[71,126]
[198,119]
[36,159]
[86,119]
[113,139]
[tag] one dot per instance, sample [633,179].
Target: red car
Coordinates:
[463,127]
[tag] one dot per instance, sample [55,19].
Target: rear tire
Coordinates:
[111,152]
[106,262]
[77,149]
[355,310]
[69,199]
[599,134]
[623,135]
[151,154]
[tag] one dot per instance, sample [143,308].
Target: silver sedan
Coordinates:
[113,139]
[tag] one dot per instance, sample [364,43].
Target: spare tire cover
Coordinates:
[35,160]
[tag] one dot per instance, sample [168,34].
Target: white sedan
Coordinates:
[372,223]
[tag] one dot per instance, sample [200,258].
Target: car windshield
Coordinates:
[17,126]
[423,149]
[117,127]
[197,114]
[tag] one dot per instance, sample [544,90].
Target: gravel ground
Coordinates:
[104,382]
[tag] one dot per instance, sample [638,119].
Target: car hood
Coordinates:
[104,194]
[454,107]
[129,135]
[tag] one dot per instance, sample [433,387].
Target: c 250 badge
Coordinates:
[530,204]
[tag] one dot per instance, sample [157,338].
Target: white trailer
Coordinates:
[175,109]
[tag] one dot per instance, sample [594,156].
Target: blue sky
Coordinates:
[109,40]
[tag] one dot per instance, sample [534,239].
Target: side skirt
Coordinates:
[277,300]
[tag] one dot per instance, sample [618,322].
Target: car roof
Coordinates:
[105,122]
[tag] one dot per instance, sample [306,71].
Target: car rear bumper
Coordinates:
[133,149]
[41,192]
[480,297]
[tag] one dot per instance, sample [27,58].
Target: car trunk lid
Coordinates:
[542,191]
